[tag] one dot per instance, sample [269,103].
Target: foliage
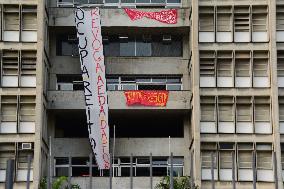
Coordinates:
[179,183]
[59,183]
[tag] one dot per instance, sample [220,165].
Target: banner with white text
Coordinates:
[88,25]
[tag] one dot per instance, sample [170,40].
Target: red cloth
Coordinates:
[147,98]
[165,16]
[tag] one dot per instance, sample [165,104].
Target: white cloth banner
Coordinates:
[93,73]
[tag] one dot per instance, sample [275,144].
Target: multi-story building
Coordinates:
[221,63]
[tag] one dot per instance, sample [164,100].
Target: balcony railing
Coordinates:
[119,3]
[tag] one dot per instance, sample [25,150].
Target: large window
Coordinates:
[17,114]
[280,68]
[208,115]
[233,24]
[20,153]
[127,45]
[121,166]
[171,83]
[241,156]
[242,114]
[240,69]
[280,23]
[18,68]
[16,29]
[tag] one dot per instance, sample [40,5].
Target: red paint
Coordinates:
[165,16]
[147,98]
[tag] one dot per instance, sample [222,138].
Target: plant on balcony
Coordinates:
[179,183]
[59,183]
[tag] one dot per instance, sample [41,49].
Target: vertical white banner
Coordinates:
[88,25]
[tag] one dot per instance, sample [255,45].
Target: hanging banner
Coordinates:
[147,98]
[93,73]
[165,16]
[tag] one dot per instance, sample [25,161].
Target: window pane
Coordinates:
[127,46]
[143,46]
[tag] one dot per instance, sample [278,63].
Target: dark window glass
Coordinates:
[170,48]
[159,171]
[80,171]
[111,48]
[162,125]
[151,87]
[67,45]
[61,171]
[127,46]
[143,46]
[96,1]
[143,171]
[71,125]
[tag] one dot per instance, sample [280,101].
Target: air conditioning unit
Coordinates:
[167,39]
[26,146]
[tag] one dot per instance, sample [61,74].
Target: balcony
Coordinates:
[178,100]
[115,17]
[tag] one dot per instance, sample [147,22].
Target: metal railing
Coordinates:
[119,3]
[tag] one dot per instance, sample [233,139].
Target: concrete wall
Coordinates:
[179,100]
[115,17]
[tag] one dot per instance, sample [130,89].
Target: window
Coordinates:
[243,69]
[206,24]
[280,23]
[161,126]
[280,68]
[264,163]
[28,69]
[281,114]
[143,45]
[244,113]
[245,161]
[9,114]
[7,151]
[69,82]
[29,23]
[10,68]
[262,115]
[71,124]
[170,83]
[121,166]
[224,24]
[226,115]
[208,115]
[226,151]
[67,45]
[225,69]
[209,150]
[11,23]
[207,69]
[282,158]
[242,24]
[260,69]
[27,114]
[17,117]
[259,24]
[22,161]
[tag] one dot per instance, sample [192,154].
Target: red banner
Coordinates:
[165,16]
[147,98]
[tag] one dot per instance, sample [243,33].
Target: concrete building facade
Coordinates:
[222,63]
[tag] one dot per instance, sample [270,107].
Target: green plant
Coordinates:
[59,183]
[179,183]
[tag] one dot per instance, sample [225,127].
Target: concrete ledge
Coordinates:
[116,17]
[178,100]
[124,146]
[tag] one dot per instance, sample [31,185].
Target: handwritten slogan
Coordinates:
[164,16]
[93,73]
[147,98]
